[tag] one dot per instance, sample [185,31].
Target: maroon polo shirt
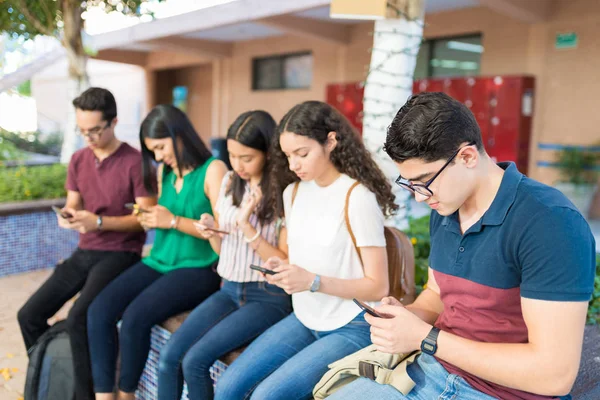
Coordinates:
[105,186]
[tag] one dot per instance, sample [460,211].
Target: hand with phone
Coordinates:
[289,277]
[262,270]
[156,217]
[371,311]
[400,332]
[135,208]
[206,227]
[63,217]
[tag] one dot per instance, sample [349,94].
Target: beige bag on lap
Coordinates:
[383,368]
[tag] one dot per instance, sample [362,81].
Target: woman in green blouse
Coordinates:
[178,273]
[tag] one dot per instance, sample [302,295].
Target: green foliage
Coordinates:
[576,165]
[34,142]
[8,151]
[32,183]
[418,232]
[24,89]
[29,18]
[594,308]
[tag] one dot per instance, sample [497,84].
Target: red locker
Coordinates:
[502,106]
[347,99]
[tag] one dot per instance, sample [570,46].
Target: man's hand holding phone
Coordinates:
[396,329]
[64,217]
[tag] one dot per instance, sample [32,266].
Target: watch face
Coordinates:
[428,347]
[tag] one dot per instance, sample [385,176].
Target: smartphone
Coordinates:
[369,310]
[135,207]
[61,213]
[261,269]
[216,230]
[212,229]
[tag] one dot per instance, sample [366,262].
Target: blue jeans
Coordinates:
[141,297]
[432,382]
[227,320]
[288,360]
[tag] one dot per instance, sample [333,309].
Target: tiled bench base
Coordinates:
[148,387]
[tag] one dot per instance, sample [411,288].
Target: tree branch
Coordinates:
[47,12]
[32,20]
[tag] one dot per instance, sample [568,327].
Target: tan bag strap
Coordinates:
[347,219]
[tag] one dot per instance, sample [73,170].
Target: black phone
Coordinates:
[216,230]
[61,213]
[261,269]
[135,207]
[369,310]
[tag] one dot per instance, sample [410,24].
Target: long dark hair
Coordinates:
[315,120]
[165,121]
[254,129]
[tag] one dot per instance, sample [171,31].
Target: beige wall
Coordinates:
[198,80]
[567,86]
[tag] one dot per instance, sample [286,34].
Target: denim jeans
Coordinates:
[432,382]
[227,320]
[141,297]
[288,360]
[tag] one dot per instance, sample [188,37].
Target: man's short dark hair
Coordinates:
[97,99]
[431,127]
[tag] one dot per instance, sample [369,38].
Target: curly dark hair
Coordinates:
[315,120]
[254,129]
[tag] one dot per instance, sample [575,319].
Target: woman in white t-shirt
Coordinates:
[318,147]
[246,305]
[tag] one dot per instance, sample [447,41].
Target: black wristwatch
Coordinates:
[429,344]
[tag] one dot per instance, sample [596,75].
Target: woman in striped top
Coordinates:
[246,305]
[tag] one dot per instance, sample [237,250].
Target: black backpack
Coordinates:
[50,370]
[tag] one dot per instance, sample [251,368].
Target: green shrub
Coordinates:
[594,308]
[32,183]
[418,232]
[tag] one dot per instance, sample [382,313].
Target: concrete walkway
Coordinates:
[14,291]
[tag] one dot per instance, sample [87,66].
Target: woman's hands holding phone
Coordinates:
[289,277]
[155,217]
[205,226]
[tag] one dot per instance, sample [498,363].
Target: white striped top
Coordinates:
[237,255]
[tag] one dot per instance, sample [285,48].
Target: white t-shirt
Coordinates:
[319,242]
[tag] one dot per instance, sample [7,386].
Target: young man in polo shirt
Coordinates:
[101,179]
[512,268]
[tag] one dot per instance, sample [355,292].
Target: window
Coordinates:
[456,56]
[288,71]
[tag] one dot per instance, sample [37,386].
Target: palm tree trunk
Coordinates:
[388,85]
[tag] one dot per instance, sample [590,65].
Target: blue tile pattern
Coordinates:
[33,241]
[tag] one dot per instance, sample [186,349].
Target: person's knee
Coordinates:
[194,363]
[170,358]
[134,325]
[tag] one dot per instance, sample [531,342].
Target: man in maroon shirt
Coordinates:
[101,179]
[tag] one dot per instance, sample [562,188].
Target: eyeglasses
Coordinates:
[93,133]
[423,189]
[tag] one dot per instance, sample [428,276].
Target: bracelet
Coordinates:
[174,222]
[253,237]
